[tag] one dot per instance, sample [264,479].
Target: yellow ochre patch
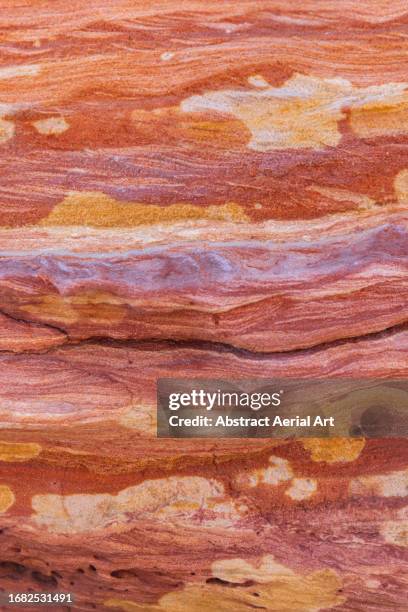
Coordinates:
[7,498]
[96,209]
[306,110]
[334,450]
[6,130]
[94,307]
[395,532]
[19,451]
[239,571]
[172,500]
[401,186]
[285,593]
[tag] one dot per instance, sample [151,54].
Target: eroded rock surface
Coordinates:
[199,190]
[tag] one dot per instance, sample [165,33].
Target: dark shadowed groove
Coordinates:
[205,345]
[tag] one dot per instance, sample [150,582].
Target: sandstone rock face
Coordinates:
[199,189]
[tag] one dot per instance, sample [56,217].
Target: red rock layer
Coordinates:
[322,93]
[87,478]
[256,294]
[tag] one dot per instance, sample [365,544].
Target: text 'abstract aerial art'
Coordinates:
[208,189]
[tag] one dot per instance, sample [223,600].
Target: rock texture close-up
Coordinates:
[199,190]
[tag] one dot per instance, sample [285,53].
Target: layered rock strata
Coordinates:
[199,190]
